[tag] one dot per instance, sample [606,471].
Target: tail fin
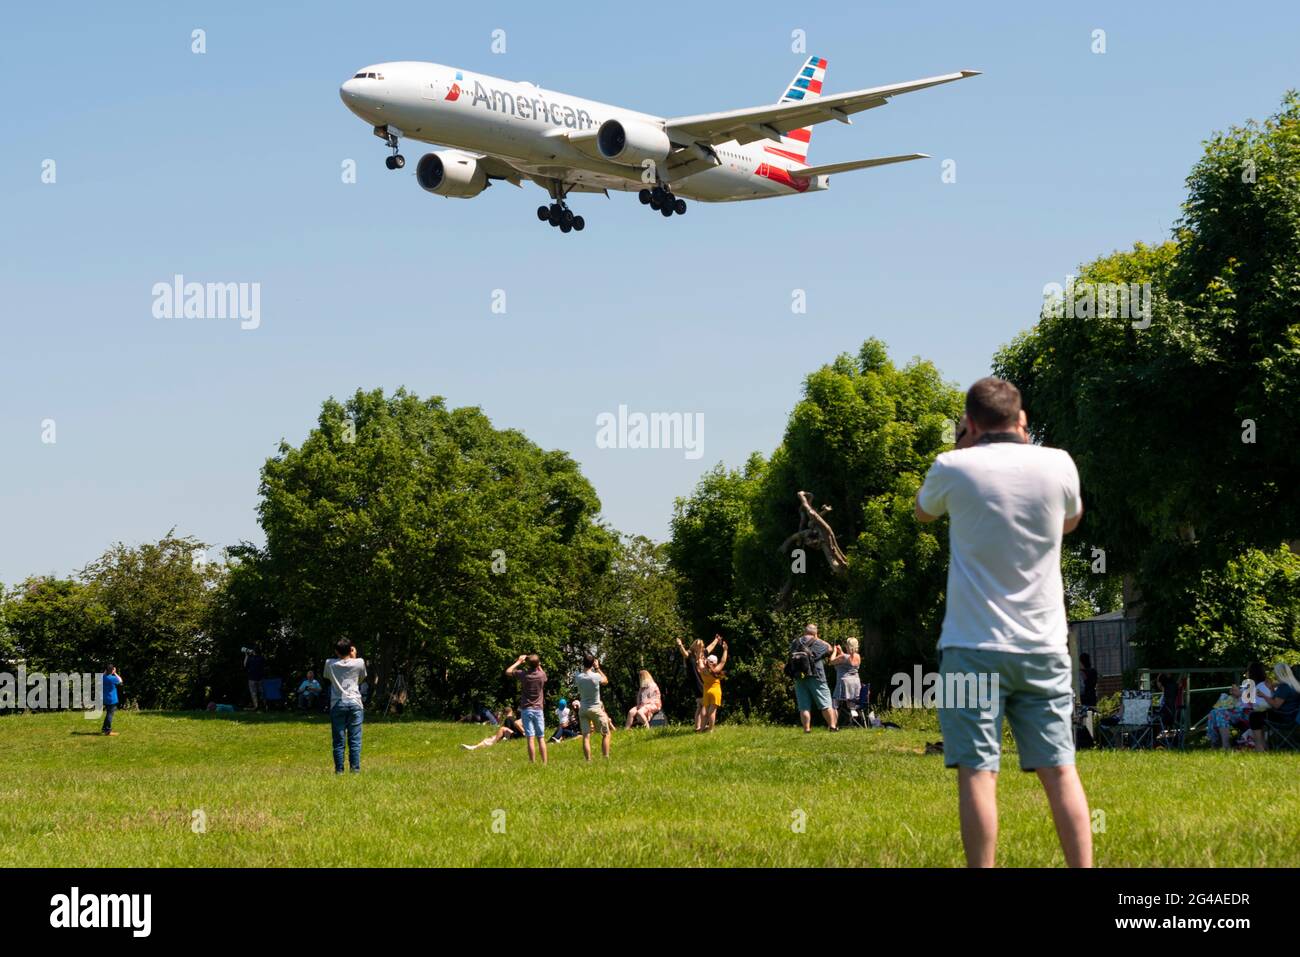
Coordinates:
[806,85]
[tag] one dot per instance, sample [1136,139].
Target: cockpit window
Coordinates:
[359,76]
[368,76]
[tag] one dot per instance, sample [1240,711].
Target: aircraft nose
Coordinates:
[348,91]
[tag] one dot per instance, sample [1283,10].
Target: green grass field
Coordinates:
[266,787]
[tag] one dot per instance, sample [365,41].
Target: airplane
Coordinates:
[502,131]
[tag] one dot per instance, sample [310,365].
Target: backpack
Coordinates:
[801,661]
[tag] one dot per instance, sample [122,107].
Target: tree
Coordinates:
[55,625]
[629,619]
[157,597]
[441,546]
[1182,426]
[860,440]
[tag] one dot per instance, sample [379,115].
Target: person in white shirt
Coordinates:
[347,711]
[1009,503]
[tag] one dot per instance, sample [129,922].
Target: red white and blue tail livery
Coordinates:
[503,131]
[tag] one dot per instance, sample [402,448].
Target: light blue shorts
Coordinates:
[534,722]
[812,694]
[1035,695]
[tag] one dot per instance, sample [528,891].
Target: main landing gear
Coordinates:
[559,214]
[663,200]
[389,136]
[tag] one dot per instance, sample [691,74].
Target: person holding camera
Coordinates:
[112,683]
[1009,503]
[255,669]
[532,702]
[592,714]
[347,711]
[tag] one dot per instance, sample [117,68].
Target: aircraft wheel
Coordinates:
[566,217]
[579,223]
[565,227]
[644,196]
[390,162]
[543,213]
[399,161]
[553,215]
[667,209]
[679,207]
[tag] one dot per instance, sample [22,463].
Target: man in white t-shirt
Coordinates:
[347,710]
[1009,502]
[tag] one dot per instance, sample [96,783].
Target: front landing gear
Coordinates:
[390,134]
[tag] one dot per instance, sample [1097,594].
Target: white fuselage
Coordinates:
[526,125]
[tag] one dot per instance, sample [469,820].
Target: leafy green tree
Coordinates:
[860,440]
[441,546]
[158,600]
[56,625]
[1182,427]
[629,619]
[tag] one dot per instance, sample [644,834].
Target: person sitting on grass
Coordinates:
[511,728]
[711,672]
[308,692]
[648,701]
[1280,696]
[481,714]
[112,682]
[566,722]
[693,657]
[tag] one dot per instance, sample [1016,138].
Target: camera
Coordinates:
[246,651]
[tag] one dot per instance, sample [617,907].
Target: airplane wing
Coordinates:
[497,168]
[769,122]
[830,168]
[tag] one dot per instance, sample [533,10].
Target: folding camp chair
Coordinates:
[1137,724]
[856,711]
[272,692]
[1283,731]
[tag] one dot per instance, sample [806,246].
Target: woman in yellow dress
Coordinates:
[711,670]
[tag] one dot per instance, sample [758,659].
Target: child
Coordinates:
[112,681]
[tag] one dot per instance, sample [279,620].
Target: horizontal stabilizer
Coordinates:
[812,171]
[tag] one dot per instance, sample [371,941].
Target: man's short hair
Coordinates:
[588,661]
[810,629]
[993,403]
[534,662]
[343,647]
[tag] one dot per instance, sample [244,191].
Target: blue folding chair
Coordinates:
[272,692]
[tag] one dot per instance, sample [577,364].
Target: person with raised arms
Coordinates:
[1009,502]
[592,713]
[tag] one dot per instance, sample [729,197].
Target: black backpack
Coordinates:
[801,661]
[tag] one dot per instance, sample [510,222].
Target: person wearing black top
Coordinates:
[1088,696]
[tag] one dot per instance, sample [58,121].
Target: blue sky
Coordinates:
[226,167]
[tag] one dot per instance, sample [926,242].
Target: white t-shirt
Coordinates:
[1007,503]
[345,676]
